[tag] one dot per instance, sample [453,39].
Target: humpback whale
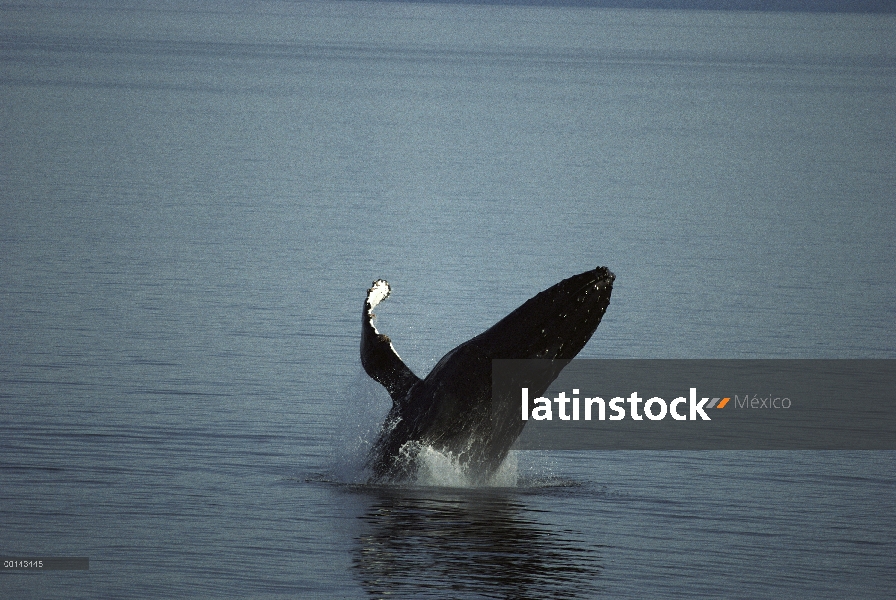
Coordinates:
[452,409]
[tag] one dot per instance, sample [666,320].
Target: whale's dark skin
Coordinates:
[452,409]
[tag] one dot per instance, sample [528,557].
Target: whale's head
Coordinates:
[556,323]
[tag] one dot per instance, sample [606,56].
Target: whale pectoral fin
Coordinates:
[378,356]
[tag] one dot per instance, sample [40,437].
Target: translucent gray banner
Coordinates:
[700,404]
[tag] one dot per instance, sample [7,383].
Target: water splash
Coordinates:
[437,469]
[433,468]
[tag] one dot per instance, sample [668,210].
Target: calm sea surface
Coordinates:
[194,198]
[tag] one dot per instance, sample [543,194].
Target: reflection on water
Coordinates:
[426,542]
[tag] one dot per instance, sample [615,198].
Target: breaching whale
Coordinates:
[452,409]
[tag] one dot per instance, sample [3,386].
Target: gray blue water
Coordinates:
[194,198]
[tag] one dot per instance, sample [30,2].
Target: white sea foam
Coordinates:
[438,469]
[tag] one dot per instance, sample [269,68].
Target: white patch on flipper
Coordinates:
[378,292]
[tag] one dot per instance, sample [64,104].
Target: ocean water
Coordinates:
[194,198]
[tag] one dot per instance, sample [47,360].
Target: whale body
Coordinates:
[452,409]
